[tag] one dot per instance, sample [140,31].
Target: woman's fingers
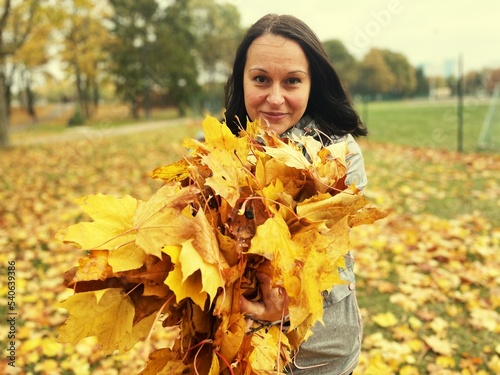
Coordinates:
[252,309]
[274,304]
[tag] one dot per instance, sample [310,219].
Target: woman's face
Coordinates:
[276,81]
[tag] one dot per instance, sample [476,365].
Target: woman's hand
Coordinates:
[274,304]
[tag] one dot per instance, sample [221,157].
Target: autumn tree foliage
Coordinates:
[234,207]
[30,61]
[375,75]
[404,74]
[84,51]
[15,27]
[153,50]
[344,63]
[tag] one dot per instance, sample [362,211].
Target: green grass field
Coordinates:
[427,274]
[424,124]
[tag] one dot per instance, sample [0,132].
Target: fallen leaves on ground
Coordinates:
[418,266]
[440,275]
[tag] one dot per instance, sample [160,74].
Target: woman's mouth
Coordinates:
[274,116]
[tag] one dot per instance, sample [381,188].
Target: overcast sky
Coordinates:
[433,33]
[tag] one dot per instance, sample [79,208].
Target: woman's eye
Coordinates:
[293,81]
[260,79]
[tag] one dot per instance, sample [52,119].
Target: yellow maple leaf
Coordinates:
[273,241]
[162,361]
[192,277]
[126,257]
[219,137]
[50,347]
[205,241]
[378,366]
[367,215]
[409,370]
[191,261]
[119,222]
[328,162]
[214,367]
[289,154]
[177,171]
[231,335]
[385,320]
[266,349]
[271,172]
[325,164]
[332,241]
[329,209]
[445,361]
[107,314]
[438,345]
[188,286]
[165,219]
[111,226]
[494,364]
[140,331]
[483,318]
[227,176]
[309,302]
[94,266]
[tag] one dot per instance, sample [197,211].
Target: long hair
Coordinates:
[329,104]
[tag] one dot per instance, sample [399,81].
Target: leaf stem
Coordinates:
[225,361]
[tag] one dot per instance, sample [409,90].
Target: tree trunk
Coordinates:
[80,93]
[86,100]
[8,98]
[4,120]
[96,94]
[30,102]
[134,108]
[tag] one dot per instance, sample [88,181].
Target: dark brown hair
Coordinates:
[329,104]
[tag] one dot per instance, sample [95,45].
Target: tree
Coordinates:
[31,58]
[344,63]
[405,80]
[374,76]
[85,39]
[493,79]
[422,84]
[133,33]
[16,24]
[174,64]
[474,82]
[218,33]
[152,49]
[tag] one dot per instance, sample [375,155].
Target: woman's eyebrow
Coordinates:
[298,71]
[291,72]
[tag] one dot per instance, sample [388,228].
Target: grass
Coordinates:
[53,119]
[418,123]
[424,124]
[445,184]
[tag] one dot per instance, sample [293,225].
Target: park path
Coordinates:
[79,133]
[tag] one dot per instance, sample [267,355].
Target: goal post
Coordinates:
[489,138]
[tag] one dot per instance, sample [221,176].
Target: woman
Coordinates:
[281,75]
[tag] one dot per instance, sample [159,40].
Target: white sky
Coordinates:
[433,33]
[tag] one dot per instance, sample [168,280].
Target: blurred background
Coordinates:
[82,60]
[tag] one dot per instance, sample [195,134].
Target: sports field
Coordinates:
[427,124]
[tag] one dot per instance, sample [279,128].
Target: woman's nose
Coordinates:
[275,96]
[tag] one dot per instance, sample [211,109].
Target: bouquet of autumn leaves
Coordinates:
[235,206]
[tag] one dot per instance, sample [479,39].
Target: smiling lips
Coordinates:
[274,115]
